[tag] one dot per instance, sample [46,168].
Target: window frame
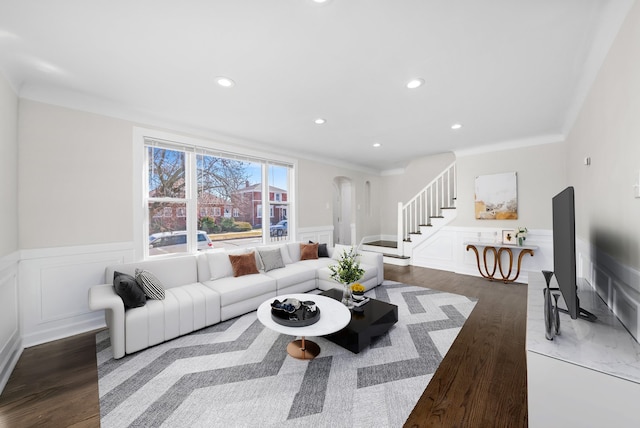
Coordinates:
[191,147]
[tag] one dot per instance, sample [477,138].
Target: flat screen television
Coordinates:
[564,253]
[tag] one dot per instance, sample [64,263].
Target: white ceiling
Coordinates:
[508,70]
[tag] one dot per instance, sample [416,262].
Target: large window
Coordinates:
[234,200]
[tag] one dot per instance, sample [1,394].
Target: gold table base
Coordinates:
[303,349]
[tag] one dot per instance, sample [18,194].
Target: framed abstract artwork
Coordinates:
[496,197]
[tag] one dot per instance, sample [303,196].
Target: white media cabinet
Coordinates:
[589,376]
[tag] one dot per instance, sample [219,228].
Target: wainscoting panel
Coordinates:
[323,234]
[616,284]
[10,337]
[446,250]
[54,289]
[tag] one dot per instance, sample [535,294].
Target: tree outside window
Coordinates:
[224,195]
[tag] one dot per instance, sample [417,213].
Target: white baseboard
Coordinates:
[11,354]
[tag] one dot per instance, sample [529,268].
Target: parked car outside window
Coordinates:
[176,242]
[279,229]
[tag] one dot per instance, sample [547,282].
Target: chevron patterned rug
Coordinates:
[238,374]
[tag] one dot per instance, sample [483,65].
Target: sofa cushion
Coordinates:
[219,263]
[129,291]
[150,284]
[308,251]
[237,289]
[339,250]
[171,272]
[271,259]
[295,273]
[243,264]
[294,251]
[317,263]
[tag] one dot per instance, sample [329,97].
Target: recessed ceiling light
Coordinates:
[320,1]
[225,82]
[320,121]
[415,83]
[377,145]
[456,126]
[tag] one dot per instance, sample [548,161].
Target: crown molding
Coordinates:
[510,145]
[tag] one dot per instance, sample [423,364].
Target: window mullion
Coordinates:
[191,177]
[266,220]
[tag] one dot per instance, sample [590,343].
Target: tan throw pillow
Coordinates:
[244,264]
[308,251]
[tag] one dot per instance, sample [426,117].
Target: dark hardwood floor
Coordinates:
[480,383]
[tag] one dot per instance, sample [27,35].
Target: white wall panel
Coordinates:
[10,338]
[446,250]
[54,287]
[322,234]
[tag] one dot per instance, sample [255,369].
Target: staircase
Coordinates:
[420,218]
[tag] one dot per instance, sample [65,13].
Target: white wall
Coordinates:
[75,177]
[8,168]
[608,130]
[316,197]
[541,174]
[10,338]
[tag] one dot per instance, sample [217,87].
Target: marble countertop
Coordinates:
[605,345]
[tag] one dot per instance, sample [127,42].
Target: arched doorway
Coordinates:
[342,194]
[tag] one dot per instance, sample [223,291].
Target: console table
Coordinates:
[498,250]
[589,376]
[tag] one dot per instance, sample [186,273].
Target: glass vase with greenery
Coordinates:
[347,271]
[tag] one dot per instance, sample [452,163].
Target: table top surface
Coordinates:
[368,314]
[499,245]
[334,316]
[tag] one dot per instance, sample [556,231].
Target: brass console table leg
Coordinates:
[497,262]
[488,275]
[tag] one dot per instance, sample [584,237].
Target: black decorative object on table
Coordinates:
[551,311]
[294,313]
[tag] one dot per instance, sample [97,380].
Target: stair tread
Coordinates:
[384,244]
[395,256]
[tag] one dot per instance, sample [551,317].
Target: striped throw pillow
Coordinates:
[150,284]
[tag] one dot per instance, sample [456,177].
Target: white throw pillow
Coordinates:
[219,263]
[338,251]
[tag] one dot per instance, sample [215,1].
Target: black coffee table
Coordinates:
[372,319]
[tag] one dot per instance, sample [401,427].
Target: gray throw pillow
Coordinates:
[150,284]
[271,259]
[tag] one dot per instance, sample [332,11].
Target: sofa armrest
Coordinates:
[105,297]
[374,259]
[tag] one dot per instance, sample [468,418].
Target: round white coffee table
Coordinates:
[334,316]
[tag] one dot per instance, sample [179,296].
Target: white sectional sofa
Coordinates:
[201,290]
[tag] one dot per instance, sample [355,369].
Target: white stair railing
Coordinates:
[428,203]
